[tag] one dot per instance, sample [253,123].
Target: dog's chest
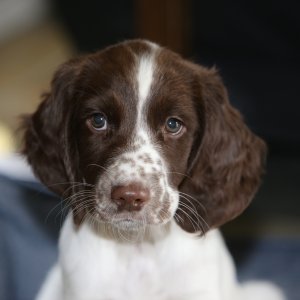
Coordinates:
[102,269]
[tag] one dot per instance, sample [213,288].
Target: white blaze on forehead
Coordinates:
[144,80]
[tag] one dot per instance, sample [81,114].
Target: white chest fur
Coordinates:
[178,266]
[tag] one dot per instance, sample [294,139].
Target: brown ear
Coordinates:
[226,169]
[46,133]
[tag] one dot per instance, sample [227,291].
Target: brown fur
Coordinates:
[217,161]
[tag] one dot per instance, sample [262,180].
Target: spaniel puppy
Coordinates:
[150,158]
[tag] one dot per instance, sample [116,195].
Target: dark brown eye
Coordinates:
[173,126]
[98,121]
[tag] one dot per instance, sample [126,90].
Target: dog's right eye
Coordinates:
[98,121]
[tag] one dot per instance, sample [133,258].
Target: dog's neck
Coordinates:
[90,258]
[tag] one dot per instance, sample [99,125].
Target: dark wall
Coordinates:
[255,46]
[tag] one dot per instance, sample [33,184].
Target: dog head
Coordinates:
[135,135]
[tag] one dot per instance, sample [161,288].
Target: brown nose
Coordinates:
[131,197]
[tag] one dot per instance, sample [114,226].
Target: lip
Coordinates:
[127,222]
[119,217]
[128,216]
[129,225]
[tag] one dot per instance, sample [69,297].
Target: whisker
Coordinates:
[194,210]
[82,207]
[189,198]
[80,193]
[81,199]
[53,209]
[189,218]
[107,172]
[196,214]
[179,173]
[73,186]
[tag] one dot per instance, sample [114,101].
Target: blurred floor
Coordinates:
[27,65]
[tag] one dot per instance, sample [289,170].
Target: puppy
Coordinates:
[150,158]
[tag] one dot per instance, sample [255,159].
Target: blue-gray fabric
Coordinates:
[27,238]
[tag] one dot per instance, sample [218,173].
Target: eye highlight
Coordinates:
[98,121]
[173,126]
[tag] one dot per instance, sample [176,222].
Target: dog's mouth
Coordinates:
[127,220]
[124,227]
[132,220]
[129,224]
[130,228]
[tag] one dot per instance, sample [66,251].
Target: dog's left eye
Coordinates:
[98,121]
[173,126]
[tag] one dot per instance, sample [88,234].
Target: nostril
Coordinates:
[120,201]
[137,202]
[130,197]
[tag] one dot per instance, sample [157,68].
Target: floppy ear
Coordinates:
[46,133]
[227,165]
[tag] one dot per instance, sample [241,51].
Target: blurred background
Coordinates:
[254,44]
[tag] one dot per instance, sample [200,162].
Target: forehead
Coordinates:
[134,76]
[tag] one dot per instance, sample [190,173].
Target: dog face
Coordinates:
[134,135]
